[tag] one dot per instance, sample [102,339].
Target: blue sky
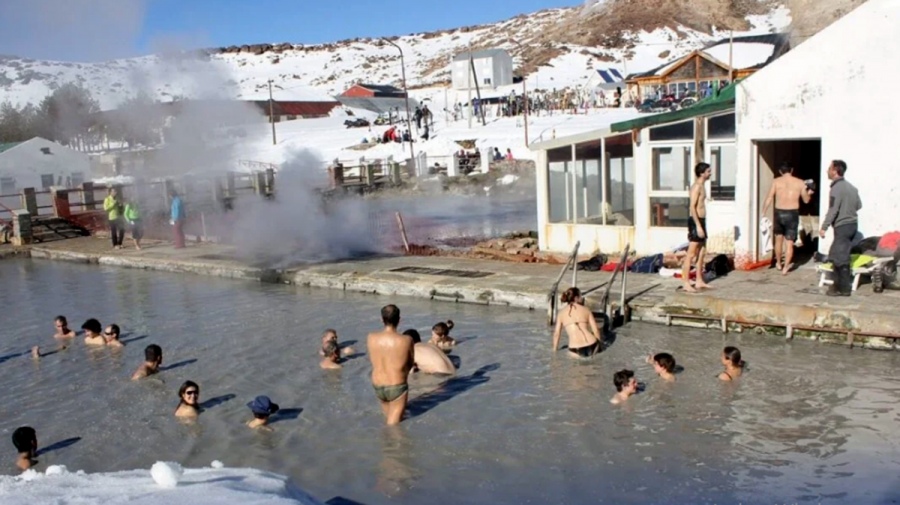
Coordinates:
[92,30]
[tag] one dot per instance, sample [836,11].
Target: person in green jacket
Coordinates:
[112,204]
[133,217]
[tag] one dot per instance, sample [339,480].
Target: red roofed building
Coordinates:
[287,111]
[373,91]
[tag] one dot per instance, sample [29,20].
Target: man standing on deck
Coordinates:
[697,232]
[392,358]
[843,205]
[177,219]
[786,193]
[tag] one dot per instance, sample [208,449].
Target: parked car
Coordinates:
[359,122]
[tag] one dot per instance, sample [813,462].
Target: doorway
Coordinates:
[806,158]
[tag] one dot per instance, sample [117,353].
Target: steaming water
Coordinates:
[808,423]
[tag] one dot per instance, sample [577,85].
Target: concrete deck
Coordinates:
[763,300]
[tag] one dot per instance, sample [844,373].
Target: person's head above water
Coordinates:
[331,350]
[664,361]
[61,323]
[732,356]
[414,335]
[263,407]
[390,315]
[330,334]
[92,326]
[624,381]
[112,332]
[189,393]
[442,329]
[25,440]
[571,295]
[153,354]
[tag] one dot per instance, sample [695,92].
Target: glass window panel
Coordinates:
[723,160]
[47,180]
[671,168]
[678,131]
[590,192]
[621,191]
[560,189]
[721,127]
[670,212]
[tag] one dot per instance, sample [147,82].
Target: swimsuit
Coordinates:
[787,223]
[388,394]
[586,351]
[692,230]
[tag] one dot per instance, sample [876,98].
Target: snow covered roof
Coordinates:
[484,53]
[747,52]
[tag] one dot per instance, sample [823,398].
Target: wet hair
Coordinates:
[62,320]
[261,415]
[24,439]
[93,326]
[666,361]
[153,352]
[442,329]
[621,379]
[785,167]
[734,356]
[184,387]
[414,334]
[329,331]
[330,349]
[115,329]
[570,295]
[840,166]
[390,315]
[701,167]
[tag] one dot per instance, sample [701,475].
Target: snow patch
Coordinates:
[166,473]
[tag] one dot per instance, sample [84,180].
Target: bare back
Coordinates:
[788,192]
[431,359]
[391,355]
[580,325]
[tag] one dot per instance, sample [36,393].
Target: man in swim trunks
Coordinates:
[786,193]
[152,361]
[392,357]
[697,232]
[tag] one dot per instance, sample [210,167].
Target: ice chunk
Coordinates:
[56,470]
[166,473]
[217,464]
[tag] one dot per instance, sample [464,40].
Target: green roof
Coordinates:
[721,101]
[7,146]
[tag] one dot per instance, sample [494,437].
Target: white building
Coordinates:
[493,68]
[832,97]
[39,163]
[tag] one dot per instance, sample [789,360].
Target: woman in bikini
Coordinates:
[734,365]
[585,338]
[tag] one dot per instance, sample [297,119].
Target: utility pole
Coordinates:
[412,153]
[272,113]
[524,88]
[731,57]
[470,108]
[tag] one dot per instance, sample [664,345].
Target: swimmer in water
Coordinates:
[25,441]
[331,335]
[626,386]
[392,358]
[428,357]
[440,336]
[734,365]
[93,332]
[111,337]
[580,324]
[262,407]
[188,401]
[63,332]
[150,366]
[332,358]
[664,365]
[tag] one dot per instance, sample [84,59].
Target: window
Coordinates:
[620,173]
[77,179]
[560,189]
[671,212]
[7,185]
[47,181]
[487,81]
[723,160]
[678,131]
[671,168]
[590,192]
[721,127]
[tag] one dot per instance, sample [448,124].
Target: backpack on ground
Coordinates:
[647,264]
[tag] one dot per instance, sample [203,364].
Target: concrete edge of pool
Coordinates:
[741,302]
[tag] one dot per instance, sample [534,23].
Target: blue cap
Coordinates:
[263,405]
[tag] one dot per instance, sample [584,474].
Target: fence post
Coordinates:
[21,227]
[259,183]
[229,184]
[453,166]
[270,181]
[485,160]
[370,174]
[29,201]
[87,196]
[60,198]
[421,164]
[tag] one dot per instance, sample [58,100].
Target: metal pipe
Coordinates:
[786,326]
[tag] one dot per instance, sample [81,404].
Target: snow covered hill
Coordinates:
[560,48]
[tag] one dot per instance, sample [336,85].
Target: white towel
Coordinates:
[765,235]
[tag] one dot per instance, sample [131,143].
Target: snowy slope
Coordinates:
[317,72]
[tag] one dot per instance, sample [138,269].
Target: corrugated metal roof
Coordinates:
[382,88]
[6,146]
[484,53]
[722,101]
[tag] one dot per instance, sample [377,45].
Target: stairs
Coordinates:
[49,228]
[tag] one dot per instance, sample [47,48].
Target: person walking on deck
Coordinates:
[177,219]
[786,193]
[113,207]
[133,217]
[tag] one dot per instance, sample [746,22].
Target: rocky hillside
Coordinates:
[556,48]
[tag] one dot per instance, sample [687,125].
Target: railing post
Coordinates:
[21,227]
[270,181]
[87,196]
[259,183]
[229,185]
[370,174]
[396,178]
[60,198]
[453,166]
[29,201]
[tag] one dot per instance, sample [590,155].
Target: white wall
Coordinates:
[497,68]
[838,86]
[26,163]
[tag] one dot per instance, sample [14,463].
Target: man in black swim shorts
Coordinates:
[786,193]
[697,232]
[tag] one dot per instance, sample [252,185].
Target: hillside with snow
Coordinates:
[559,48]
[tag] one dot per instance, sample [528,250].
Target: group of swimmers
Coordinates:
[586,339]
